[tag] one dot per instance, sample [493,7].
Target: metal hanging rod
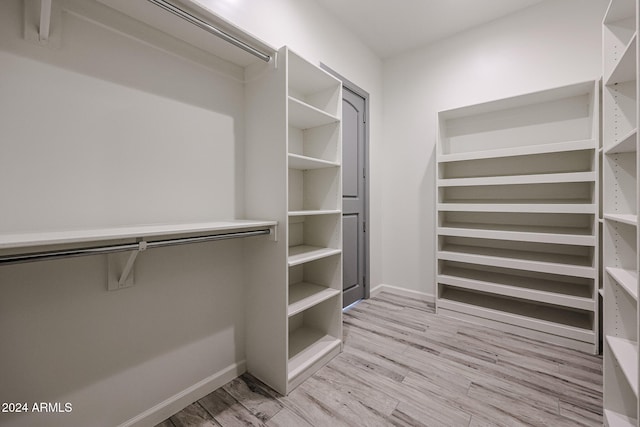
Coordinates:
[210,28]
[70,253]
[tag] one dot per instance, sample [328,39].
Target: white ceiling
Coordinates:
[391,27]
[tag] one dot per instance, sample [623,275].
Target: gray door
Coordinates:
[353,196]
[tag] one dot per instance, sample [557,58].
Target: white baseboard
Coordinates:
[179,401]
[422,296]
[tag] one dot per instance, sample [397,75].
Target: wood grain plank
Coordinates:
[252,395]
[193,415]
[226,410]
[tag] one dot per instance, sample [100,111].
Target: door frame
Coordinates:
[348,84]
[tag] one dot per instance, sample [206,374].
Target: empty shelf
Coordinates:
[306,346]
[546,178]
[627,279]
[626,144]
[487,206]
[314,212]
[567,323]
[555,147]
[304,295]
[626,353]
[23,240]
[530,288]
[304,116]
[297,161]
[614,419]
[304,253]
[560,235]
[570,265]
[625,69]
[629,219]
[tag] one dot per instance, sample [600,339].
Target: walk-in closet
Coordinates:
[319,213]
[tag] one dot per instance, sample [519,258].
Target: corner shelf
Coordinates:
[517,214]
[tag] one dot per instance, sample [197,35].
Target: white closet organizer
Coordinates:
[517,214]
[294,147]
[290,143]
[620,213]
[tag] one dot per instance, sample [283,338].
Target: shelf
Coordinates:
[549,319]
[614,419]
[304,295]
[625,69]
[305,116]
[306,346]
[587,208]
[529,288]
[623,218]
[297,161]
[306,78]
[626,353]
[569,265]
[565,235]
[304,253]
[627,279]
[520,179]
[619,10]
[555,147]
[25,240]
[626,144]
[314,212]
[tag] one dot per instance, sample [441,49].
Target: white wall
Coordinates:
[554,43]
[319,37]
[73,156]
[105,131]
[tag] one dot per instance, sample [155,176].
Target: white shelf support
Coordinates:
[122,276]
[42,22]
[45,21]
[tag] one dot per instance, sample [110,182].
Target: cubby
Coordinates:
[517,214]
[620,213]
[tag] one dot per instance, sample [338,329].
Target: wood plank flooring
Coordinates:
[403,365]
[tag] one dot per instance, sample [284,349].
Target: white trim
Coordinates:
[180,400]
[422,296]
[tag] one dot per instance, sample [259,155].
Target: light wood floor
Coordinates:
[403,365]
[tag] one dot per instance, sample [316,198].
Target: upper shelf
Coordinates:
[619,10]
[297,161]
[26,240]
[555,147]
[305,116]
[624,69]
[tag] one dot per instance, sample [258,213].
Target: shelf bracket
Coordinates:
[45,21]
[42,20]
[120,267]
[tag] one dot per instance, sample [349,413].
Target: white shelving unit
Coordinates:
[517,209]
[294,155]
[620,213]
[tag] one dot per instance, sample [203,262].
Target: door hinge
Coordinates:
[364,173]
[364,226]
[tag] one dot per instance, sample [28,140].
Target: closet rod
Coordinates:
[210,28]
[99,250]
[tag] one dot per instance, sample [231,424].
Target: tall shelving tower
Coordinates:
[293,162]
[620,213]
